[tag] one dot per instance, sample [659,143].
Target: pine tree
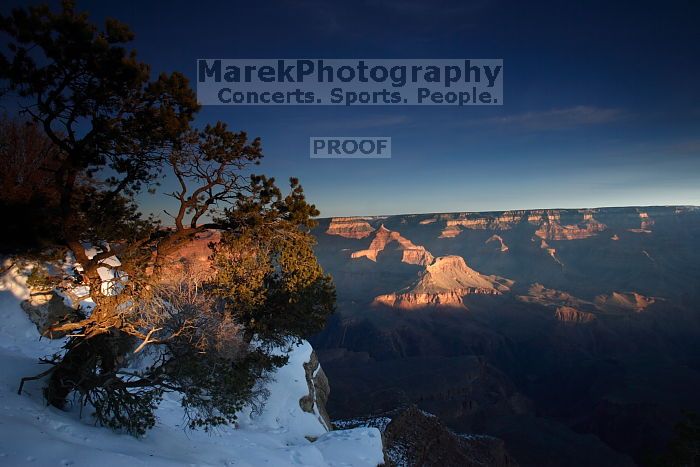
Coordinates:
[111,131]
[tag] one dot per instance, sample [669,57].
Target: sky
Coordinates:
[601,99]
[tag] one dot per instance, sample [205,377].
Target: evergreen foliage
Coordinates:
[97,130]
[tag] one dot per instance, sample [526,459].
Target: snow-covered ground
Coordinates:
[33,434]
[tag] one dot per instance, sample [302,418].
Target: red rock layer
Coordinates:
[412,254]
[444,283]
[551,229]
[350,227]
[450,232]
[504,221]
[538,216]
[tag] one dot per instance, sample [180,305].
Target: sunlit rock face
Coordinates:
[573,309]
[452,299]
[412,254]
[572,315]
[496,239]
[537,216]
[450,231]
[645,223]
[552,252]
[444,283]
[552,229]
[350,227]
[623,302]
[503,221]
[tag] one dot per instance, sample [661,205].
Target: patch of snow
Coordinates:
[33,434]
[398,455]
[368,422]
[110,275]
[282,413]
[18,335]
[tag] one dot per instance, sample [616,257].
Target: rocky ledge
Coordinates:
[350,227]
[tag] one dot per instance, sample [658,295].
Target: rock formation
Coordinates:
[350,227]
[645,221]
[412,254]
[573,309]
[568,308]
[550,251]
[497,238]
[537,216]
[551,229]
[418,438]
[504,221]
[450,231]
[572,315]
[645,224]
[623,302]
[444,283]
[537,293]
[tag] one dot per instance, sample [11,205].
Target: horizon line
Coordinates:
[635,206]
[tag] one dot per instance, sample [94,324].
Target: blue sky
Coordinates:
[602,99]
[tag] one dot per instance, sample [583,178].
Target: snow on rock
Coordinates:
[282,413]
[109,274]
[33,434]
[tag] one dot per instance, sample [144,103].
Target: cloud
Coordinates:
[555,119]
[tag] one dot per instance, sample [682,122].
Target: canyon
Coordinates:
[569,335]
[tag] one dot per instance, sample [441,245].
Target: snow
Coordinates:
[110,276]
[376,422]
[33,434]
[282,413]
